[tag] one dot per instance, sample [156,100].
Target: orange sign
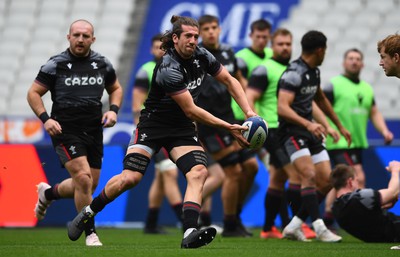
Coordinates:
[20,172]
[20,130]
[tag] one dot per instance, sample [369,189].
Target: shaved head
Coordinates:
[81,22]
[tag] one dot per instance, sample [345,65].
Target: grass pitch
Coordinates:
[54,242]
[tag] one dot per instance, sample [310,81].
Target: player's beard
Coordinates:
[81,50]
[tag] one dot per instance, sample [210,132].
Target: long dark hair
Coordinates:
[177,22]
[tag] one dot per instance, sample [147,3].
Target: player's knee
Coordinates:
[171,175]
[198,173]
[129,179]
[250,166]
[308,177]
[83,181]
[220,176]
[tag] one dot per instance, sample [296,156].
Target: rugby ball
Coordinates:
[257,132]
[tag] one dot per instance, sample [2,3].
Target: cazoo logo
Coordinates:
[308,90]
[84,81]
[195,83]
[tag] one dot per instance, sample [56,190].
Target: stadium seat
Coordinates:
[391,20]
[18,107]
[360,34]
[368,19]
[15,49]
[15,34]
[346,6]
[369,74]
[7,80]
[337,18]
[55,5]
[318,6]
[379,6]
[51,20]
[297,17]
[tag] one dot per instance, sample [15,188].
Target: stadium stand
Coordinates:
[33,30]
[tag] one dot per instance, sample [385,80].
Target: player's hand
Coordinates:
[333,133]
[236,130]
[346,135]
[387,136]
[251,114]
[316,129]
[52,127]
[109,119]
[394,166]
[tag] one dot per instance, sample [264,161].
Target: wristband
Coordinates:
[114,108]
[44,117]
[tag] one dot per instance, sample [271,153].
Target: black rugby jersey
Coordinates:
[77,85]
[361,215]
[215,97]
[174,75]
[304,82]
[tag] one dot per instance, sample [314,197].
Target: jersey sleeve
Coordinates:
[290,81]
[142,80]
[171,80]
[235,61]
[242,65]
[110,76]
[47,74]
[370,198]
[259,79]
[328,91]
[214,66]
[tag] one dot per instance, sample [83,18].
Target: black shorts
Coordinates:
[393,227]
[167,137]
[161,155]
[71,146]
[210,160]
[346,156]
[217,142]
[278,156]
[302,139]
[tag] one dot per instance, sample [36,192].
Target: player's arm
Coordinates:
[257,85]
[252,96]
[320,117]
[139,95]
[242,80]
[380,124]
[195,113]
[34,97]
[285,100]
[115,93]
[236,91]
[326,107]
[390,194]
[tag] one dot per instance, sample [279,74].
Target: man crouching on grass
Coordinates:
[363,212]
